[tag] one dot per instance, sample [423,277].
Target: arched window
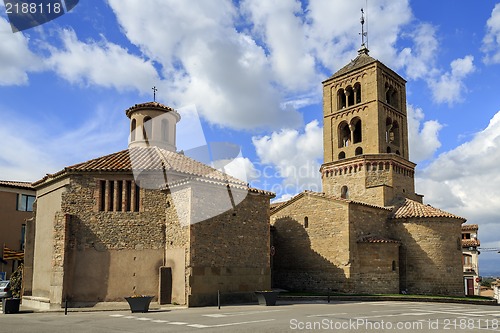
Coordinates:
[397,152]
[132,130]
[359,151]
[388,150]
[388,129]
[341,155]
[395,133]
[341,100]
[164,130]
[344,135]
[357,93]
[344,192]
[147,128]
[357,136]
[394,265]
[349,92]
[391,96]
[306,222]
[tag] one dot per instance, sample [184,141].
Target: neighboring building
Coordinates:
[16,206]
[496,290]
[368,232]
[146,220]
[470,259]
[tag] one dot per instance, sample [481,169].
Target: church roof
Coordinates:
[17,184]
[361,60]
[148,105]
[275,207]
[411,208]
[152,158]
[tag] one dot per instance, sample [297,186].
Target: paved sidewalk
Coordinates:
[103,306]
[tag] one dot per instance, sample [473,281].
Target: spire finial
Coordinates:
[364,46]
[154,93]
[363,32]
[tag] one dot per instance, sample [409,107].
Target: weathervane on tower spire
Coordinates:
[364,46]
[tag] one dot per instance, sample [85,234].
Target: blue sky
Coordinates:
[252,72]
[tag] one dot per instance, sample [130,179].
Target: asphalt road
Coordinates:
[284,317]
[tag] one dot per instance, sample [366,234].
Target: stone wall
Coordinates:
[316,257]
[431,255]
[377,269]
[109,255]
[177,246]
[230,251]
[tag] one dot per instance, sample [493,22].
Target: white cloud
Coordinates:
[491,41]
[466,182]
[423,136]
[334,34]
[420,59]
[101,63]
[449,87]
[16,57]
[282,29]
[295,157]
[241,168]
[207,62]
[38,151]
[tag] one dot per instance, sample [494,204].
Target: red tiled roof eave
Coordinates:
[469,227]
[323,196]
[414,209]
[471,243]
[16,184]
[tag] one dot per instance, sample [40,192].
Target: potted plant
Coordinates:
[139,303]
[267,297]
[10,305]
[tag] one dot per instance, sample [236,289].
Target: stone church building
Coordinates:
[368,231]
[149,220]
[146,221]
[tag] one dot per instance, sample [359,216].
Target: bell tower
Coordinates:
[365,133]
[152,124]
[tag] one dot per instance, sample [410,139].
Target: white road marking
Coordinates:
[199,326]
[176,323]
[143,318]
[116,315]
[159,321]
[396,315]
[327,314]
[233,314]
[242,322]
[129,317]
[455,313]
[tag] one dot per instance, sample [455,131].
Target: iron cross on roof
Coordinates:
[154,93]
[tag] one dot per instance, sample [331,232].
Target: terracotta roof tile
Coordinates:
[469,227]
[470,242]
[215,182]
[283,204]
[361,60]
[146,159]
[17,184]
[148,105]
[411,208]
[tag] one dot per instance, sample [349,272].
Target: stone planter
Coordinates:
[139,304]
[10,305]
[267,298]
